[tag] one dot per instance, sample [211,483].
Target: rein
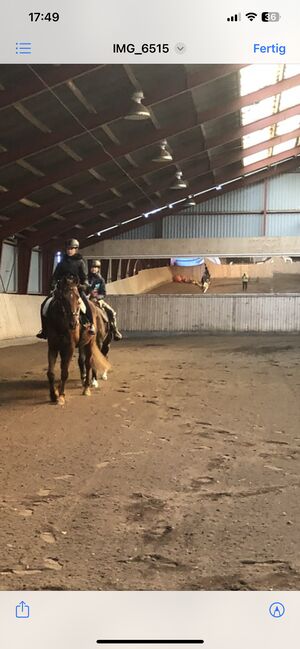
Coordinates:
[63,298]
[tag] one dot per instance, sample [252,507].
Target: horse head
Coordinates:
[67,293]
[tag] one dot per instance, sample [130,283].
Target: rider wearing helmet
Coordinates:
[97,285]
[72,263]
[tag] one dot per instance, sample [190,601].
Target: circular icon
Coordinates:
[277,609]
[180,48]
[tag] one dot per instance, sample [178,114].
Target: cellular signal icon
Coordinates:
[235,18]
[251,15]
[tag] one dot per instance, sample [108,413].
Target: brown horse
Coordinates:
[103,340]
[64,335]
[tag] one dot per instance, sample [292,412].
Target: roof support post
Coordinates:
[2,287]
[114,269]
[124,263]
[104,268]
[47,269]
[24,257]
[158,229]
[265,212]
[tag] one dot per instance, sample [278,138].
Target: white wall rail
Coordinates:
[196,313]
[19,316]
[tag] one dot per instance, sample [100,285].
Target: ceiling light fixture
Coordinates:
[137,110]
[190,202]
[179,183]
[164,154]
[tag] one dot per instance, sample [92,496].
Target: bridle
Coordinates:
[67,296]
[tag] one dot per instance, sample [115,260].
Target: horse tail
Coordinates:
[98,361]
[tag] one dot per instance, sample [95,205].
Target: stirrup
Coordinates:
[41,335]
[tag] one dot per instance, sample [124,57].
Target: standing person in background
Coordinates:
[206,271]
[245,280]
[205,277]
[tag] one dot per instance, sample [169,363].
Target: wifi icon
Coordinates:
[251,15]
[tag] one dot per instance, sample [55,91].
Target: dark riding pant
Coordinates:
[88,312]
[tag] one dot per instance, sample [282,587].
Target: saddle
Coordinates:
[98,303]
[103,313]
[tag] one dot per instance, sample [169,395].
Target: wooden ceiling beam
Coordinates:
[101,157]
[197,77]
[28,219]
[54,76]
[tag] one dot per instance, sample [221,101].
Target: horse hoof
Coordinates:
[95,383]
[61,400]
[87,392]
[104,376]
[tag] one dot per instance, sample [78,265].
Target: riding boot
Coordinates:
[87,324]
[43,334]
[117,334]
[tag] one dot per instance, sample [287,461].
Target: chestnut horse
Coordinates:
[103,340]
[64,335]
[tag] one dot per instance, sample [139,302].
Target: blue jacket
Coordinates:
[97,283]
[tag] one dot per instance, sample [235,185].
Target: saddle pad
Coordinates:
[103,314]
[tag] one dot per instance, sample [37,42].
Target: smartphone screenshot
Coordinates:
[149,324]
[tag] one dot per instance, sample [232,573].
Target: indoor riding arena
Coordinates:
[181,470]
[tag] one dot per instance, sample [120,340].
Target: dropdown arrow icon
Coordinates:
[180,48]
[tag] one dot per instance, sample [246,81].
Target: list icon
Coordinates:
[23,47]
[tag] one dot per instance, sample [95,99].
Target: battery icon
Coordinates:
[270,16]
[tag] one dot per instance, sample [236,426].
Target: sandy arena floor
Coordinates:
[181,472]
[278,284]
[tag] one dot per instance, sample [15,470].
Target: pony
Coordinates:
[65,333]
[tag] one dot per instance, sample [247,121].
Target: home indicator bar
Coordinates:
[154,642]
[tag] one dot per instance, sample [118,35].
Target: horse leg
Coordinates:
[66,357]
[81,363]
[52,356]
[88,365]
[94,371]
[104,350]
[95,383]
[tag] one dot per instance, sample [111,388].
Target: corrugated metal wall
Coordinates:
[208,219]
[190,225]
[248,199]
[284,194]
[146,231]
[280,225]
[196,313]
